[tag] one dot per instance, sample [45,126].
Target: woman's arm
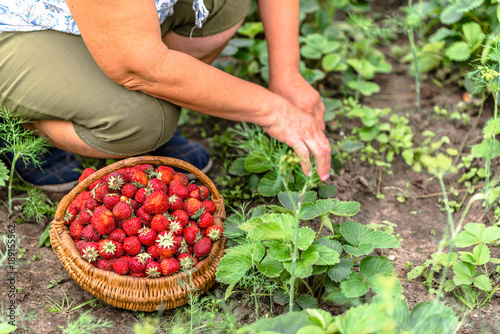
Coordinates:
[281,24]
[124,38]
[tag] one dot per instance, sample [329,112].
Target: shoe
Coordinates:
[56,172]
[180,148]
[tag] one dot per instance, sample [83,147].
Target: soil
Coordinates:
[419,220]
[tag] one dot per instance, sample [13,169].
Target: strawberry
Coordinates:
[110,200]
[194,208]
[166,244]
[118,235]
[121,267]
[122,210]
[75,230]
[141,213]
[214,232]
[181,216]
[180,177]
[156,202]
[206,220]
[141,194]
[86,172]
[175,202]
[137,264]
[186,261]
[191,234]
[70,214]
[100,191]
[165,174]
[178,188]
[147,236]
[89,233]
[132,245]
[90,252]
[132,226]
[138,177]
[103,220]
[84,217]
[153,269]
[159,223]
[146,168]
[153,251]
[137,274]
[115,181]
[109,249]
[183,247]
[202,247]
[80,244]
[169,266]
[89,204]
[81,198]
[157,185]
[209,206]
[203,193]
[195,193]
[144,257]
[134,204]
[175,227]
[105,264]
[129,190]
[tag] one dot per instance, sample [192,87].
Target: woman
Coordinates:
[106,79]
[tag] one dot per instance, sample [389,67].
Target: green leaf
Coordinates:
[306,237]
[464,273]
[4,174]
[483,150]
[476,233]
[251,29]
[333,63]
[381,239]
[274,226]
[237,167]
[354,286]
[327,256]
[480,255]
[270,267]
[279,250]
[289,199]
[352,146]
[310,52]
[341,270]
[270,184]
[383,283]
[441,34]
[366,88]
[458,51]
[432,317]
[415,272]
[450,14]
[473,34]
[374,265]
[363,67]
[333,244]
[6,328]
[309,211]
[290,322]
[306,302]
[237,261]
[353,232]
[353,251]
[258,162]
[341,208]
[482,282]
[304,265]
[327,191]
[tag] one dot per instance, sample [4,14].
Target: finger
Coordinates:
[303,153]
[320,115]
[321,151]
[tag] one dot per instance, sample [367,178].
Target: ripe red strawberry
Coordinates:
[110,200]
[194,208]
[132,226]
[191,234]
[89,233]
[134,204]
[132,245]
[80,244]
[75,230]
[121,267]
[115,181]
[137,264]
[214,232]
[122,210]
[159,223]
[129,190]
[147,236]
[84,217]
[141,194]
[105,264]
[180,177]
[203,193]
[175,227]
[156,202]
[100,191]
[153,251]
[153,269]
[141,213]
[138,274]
[89,204]
[138,177]
[80,199]
[145,257]
[166,243]
[192,223]
[206,220]
[209,206]
[118,235]
[175,203]
[146,168]
[109,249]
[183,247]
[195,194]
[70,214]
[90,252]
[103,220]
[182,217]
[202,247]
[165,174]
[186,261]
[157,185]
[86,172]
[178,188]
[169,266]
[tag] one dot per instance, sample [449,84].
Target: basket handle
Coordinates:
[130,162]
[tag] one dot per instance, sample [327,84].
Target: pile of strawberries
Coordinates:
[143,221]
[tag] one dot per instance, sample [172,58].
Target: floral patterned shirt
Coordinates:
[32,15]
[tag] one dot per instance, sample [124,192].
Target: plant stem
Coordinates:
[9,192]
[307,286]
[411,38]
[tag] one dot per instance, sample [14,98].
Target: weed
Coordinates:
[64,306]
[86,324]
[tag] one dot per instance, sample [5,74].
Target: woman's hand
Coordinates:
[301,131]
[294,88]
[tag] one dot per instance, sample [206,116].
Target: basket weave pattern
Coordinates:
[137,293]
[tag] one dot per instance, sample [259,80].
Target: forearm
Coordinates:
[281,24]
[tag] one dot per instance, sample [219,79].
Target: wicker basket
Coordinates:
[133,293]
